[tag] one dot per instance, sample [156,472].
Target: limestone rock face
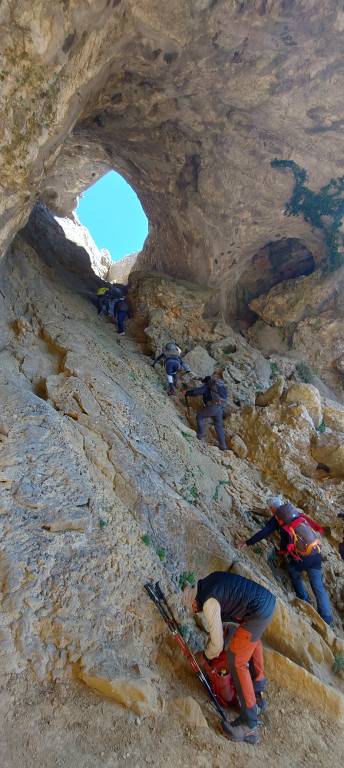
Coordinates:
[104,485]
[119,271]
[136,694]
[307,395]
[189,711]
[272,393]
[293,300]
[328,449]
[304,317]
[94,86]
[200,362]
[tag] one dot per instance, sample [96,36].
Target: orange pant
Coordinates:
[242,652]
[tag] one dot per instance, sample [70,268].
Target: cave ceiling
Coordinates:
[190,101]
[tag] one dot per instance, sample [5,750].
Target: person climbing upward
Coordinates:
[171,356]
[121,312]
[300,541]
[214,393]
[225,597]
[100,298]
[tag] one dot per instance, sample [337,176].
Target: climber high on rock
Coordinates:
[214,392]
[225,597]
[171,356]
[301,542]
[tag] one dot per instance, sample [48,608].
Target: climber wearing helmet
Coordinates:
[214,392]
[171,356]
[225,597]
[301,542]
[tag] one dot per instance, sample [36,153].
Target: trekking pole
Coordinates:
[156,594]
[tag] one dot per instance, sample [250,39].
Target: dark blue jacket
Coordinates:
[312,561]
[205,390]
[239,598]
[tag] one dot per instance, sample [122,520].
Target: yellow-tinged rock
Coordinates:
[305,686]
[189,710]
[294,637]
[328,449]
[137,694]
[307,395]
[333,415]
[237,445]
[273,393]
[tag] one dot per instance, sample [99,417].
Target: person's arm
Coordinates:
[212,613]
[197,391]
[270,527]
[157,359]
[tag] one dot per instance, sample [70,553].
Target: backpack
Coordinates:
[217,390]
[304,540]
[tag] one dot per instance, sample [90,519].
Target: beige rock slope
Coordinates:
[190,101]
[305,316]
[93,457]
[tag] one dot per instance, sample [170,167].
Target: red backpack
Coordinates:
[303,532]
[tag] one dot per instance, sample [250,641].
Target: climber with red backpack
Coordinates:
[214,393]
[227,597]
[301,543]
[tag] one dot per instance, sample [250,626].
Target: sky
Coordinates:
[113,214]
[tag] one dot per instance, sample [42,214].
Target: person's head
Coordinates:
[189,599]
[172,346]
[274,502]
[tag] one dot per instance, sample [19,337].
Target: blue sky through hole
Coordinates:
[114,216]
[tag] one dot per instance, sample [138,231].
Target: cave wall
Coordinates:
[190,102]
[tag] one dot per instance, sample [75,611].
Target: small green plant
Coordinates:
[274,370]
[187,578]
[185,631]
[187,436]
[161,552]
[218,487]
[146,539]
[103,523]
[257,549]
[321,428]
[305,372]
[192,494]
[338,665]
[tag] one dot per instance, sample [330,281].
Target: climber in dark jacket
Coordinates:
[121,312]
[171,356]
[214,393]
[296,564]
[225,597]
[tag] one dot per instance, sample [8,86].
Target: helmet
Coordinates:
[171,346]
[286,514]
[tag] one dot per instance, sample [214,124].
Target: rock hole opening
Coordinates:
[112,212]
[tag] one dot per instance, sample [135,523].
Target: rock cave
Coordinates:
[103,485]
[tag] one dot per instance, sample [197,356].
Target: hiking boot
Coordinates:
[240,730]
[262,704]
[121,333]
